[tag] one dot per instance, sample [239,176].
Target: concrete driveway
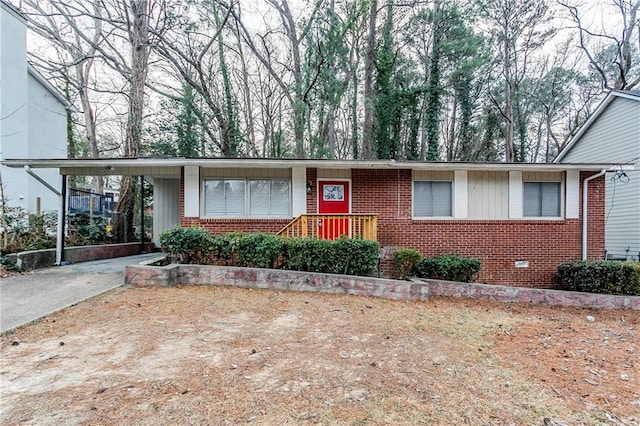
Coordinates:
[29,297]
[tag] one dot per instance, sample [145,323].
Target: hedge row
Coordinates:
[606,276]
[449,267]
[343,256]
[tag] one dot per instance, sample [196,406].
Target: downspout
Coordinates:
[585,196]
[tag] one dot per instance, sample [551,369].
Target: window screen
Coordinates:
[431,198]
[541,199]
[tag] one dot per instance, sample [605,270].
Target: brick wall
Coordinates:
[497,243]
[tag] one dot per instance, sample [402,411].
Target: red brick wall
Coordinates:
[497,243]
[312,198]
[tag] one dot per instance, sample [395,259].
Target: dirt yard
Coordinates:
[223,356]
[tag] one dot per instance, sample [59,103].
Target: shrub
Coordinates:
[450,267]
[342,256]
[607,276]
[8,264]
[355,257]
[187,245]
[25,231]
[258,250]
[86,230]
[406,261]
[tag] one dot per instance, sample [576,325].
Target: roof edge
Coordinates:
[593,117]
[68,105]
[13,10]
[110,165]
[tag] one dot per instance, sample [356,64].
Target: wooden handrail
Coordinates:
[331,226]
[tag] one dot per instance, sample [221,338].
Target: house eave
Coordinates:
[50,88]
[148,165]
[599,110]
[17,13]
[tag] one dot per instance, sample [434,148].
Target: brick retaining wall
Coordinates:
[418,289]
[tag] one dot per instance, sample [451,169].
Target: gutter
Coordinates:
[585,191]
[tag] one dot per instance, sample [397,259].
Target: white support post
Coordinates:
[572,196]
[298,191]
[191,191]
[461,194]
[515,195]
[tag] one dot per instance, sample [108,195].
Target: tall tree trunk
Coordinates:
[433,106]
[139,39]
[508,101]
[369,101]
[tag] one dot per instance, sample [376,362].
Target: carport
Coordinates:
[163,174]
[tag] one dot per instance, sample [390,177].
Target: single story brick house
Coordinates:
[520,220]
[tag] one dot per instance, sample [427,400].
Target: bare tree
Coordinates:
[298,95]
[56,23]
[518,31]
[617,60]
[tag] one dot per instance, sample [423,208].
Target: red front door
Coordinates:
[333,198]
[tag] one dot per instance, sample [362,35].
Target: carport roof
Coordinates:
[149,165]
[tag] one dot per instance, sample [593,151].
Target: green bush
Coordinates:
[406,261]
[86,230]
[450,267]
[259,250]
[25,231]
[187,245]
[607,276]
[342,256]
[9,265]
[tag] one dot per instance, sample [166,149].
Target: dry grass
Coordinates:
[227,356]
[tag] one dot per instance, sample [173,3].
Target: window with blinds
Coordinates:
[247,197]
[541,199]
[432,198]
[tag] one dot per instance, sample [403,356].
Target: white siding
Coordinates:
[615,137]
[173,172]
[432,175]
[245,173]
[488,195]
[516,199]
[166,206]
[47,139]
[622,215]
[33,121]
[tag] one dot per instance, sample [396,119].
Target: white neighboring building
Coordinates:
[612,135]
[33,117]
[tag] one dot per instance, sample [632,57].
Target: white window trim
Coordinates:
[453,198]
[247,215]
